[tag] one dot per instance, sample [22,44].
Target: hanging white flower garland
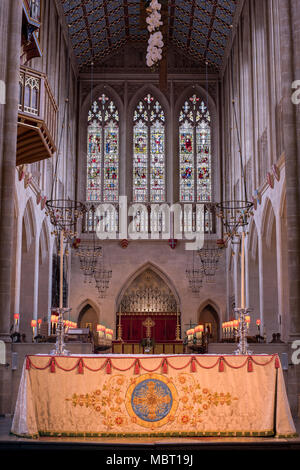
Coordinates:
[155,42]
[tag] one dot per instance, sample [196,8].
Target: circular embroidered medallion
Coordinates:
[151,399]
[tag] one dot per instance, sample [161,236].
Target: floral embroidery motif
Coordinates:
[152,401]
[108,402]
[194,400]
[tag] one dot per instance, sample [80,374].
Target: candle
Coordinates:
[243,272]
[33,326]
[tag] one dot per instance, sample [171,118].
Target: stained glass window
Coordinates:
[103,151]
[194,151]
[149,151]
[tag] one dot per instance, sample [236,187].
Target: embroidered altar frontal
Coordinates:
[180,395]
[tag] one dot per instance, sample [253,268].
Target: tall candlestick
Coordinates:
[120,325]
[243,272]
[61,268]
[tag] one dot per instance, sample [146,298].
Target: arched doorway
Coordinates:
[148,309]
[209,317]
[88,318]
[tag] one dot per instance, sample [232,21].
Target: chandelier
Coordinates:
[234,216]
[102,276]
[64,215]
[194,274]
[209,256]
[88,253]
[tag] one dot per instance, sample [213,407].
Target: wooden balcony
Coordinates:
[37,118]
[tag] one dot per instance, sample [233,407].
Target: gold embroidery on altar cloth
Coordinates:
[152,401]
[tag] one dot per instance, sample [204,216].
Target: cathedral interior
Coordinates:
[150,197]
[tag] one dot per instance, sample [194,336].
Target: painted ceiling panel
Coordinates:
[201,27]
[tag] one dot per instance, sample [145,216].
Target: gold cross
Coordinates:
[148,323]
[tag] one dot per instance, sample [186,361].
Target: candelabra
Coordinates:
[242,347]
[120,326]
[60,349]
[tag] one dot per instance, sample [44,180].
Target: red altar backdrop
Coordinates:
[163,330]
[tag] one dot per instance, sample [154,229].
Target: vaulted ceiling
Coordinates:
[199,28]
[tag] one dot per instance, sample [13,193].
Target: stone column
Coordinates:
[8,169]
[51,243]
[261,281]
[18,268]
[279,271]
[236,278]
[290,71]
[247,295]
[36,275]
[289,24]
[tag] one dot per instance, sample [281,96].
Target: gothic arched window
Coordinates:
[194,151]
[103,151]
[149,173]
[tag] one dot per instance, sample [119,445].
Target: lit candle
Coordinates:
[33,326]
[16,318]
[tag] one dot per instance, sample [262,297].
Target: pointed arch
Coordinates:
[268,220]
[212,303]
[102,182]
[253,239]
[83,305]
[149,142]
[149,88]
[146,266]
[97,91]
[44,242]
[211,313]
[203,172]
[29,225]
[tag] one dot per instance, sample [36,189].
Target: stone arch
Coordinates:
[283,266]
[269,270]
[29,225]
[83,125]
[149,87]
[215,161]
[88,317]
[137,273]
[29,233]
[44,260]
[252,239]
[268,219]
[140,93]
[209,316]
[91,304]
[253,270]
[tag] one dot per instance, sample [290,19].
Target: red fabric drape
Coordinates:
[163,330]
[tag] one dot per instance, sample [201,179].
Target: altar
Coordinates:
[152,395]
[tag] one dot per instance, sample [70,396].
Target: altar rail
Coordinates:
[132,347]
